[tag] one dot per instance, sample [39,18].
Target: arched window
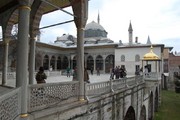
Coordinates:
[99,62]
[65,62]
[109,63]
[90,62]
[122,58]
[59,63]
[137,58]
[74,62]
[52,62]
[46,62]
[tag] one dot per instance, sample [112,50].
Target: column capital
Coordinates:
[80,28]
[24,7]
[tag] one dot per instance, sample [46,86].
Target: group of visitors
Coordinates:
[118,72]
[86,75]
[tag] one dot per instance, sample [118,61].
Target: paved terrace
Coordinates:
[60,78]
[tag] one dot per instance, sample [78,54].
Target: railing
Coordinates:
[10,105]
[45,95]
[95,89]
[42,96]
[152,75]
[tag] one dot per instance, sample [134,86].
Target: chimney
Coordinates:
[136,39]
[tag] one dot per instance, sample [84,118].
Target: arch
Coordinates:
[137,58]
[99,62]
[143,113]
[90,62]
[156,101]
[65,62]
[59,63]
[74,61]
[150,107]
[38,60]
[46,62]
[109,63]
[52,62]
[123,58]
[130,114]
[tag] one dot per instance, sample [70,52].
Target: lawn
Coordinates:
[170,106]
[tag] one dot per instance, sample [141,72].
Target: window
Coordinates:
[137,58]
[122,58]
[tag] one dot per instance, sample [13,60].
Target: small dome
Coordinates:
[94,26]
[151,55]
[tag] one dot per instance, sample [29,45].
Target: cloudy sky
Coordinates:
[159,19]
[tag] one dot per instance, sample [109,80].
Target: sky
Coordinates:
[158,19]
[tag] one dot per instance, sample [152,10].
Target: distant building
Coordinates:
[100,51]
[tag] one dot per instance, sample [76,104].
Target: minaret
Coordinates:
[130,34]
[98,19]
[148,41]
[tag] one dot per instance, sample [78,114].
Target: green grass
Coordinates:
[170,106]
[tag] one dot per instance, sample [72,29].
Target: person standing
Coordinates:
[98,72]
[75,74]
[68,71]
[86,76]
[92,70]
[41,76]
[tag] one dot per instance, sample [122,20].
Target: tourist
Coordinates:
[68,71]
[86,76]
[75,74]
[92,70]
[41,76]
[98,71]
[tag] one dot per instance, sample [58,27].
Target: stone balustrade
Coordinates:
[41,96]
[10,105]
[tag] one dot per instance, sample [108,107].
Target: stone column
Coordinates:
[49,62]
[94,57]
[55,66]
[104,64]
[80,9]
[22,55]
[32,60]
[5,62]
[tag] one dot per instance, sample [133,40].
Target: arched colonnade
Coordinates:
[61,62]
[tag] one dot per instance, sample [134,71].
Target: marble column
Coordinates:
[5,62]
[32,60]
[22,55]
[80,10]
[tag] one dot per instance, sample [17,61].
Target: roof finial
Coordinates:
[98,19]
[130,27]
[148,40]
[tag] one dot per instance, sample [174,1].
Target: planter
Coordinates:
[177,89]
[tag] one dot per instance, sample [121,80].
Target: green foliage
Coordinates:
[170,106]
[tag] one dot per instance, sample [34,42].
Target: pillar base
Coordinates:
[24,115]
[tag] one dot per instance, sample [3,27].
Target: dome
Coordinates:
[151,55]
[94,26]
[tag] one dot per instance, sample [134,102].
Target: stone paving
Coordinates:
[63,78]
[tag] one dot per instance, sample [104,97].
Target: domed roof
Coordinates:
[151,55]
[94,26]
